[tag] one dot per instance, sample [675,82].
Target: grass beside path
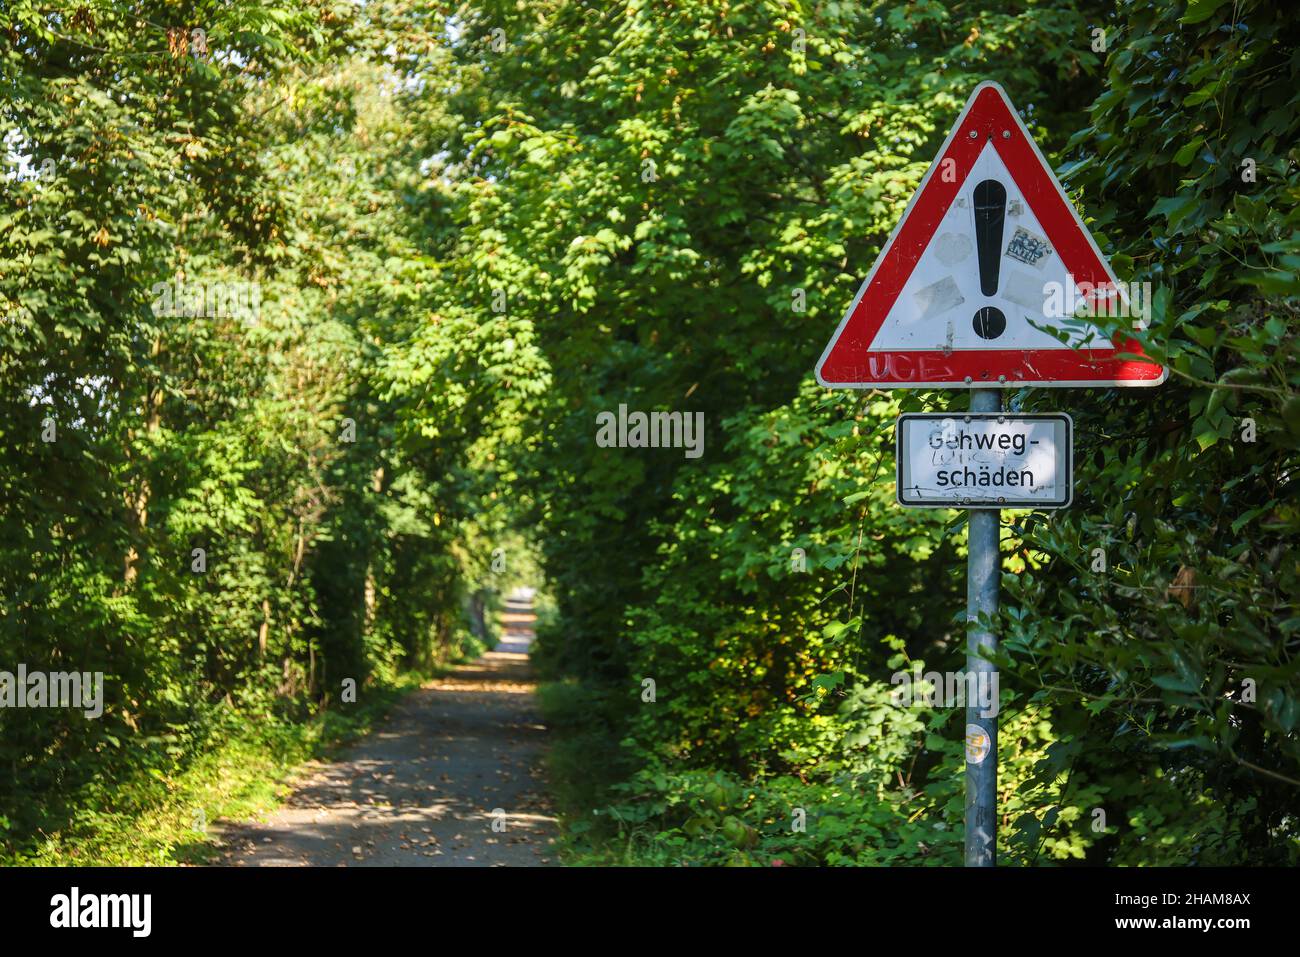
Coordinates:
[161,819]
[584,763]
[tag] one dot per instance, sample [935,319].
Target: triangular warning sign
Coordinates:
[981,279]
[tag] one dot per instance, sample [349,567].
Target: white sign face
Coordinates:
[985,460]
[1018,276]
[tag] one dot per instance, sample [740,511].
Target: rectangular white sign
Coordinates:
[985,460]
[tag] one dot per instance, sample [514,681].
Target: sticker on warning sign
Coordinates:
[1029,249]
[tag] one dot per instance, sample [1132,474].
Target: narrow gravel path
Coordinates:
[453,778]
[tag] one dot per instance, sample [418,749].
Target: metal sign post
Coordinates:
[964,295]
[983,569]
[984,461]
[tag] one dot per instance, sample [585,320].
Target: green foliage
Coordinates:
[779,166]
[1195,508]
[333,492]
[172,817]
[472,234]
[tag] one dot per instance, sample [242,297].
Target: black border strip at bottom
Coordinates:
[382,906]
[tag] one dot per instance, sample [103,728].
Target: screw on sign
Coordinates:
[968,292]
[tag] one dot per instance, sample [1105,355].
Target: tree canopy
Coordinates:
[309,310]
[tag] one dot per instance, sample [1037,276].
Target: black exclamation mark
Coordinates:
[990,214]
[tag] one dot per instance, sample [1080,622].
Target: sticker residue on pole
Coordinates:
[977,744]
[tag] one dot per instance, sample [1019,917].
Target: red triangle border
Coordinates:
[848,360]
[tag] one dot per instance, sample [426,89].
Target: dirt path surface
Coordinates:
[425,789]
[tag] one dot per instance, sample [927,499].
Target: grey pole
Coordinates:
[983,568]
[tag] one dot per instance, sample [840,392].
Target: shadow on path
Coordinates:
[424,789]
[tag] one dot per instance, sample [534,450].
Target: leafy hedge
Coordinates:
[476,232]
[660,187]
[151,148]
